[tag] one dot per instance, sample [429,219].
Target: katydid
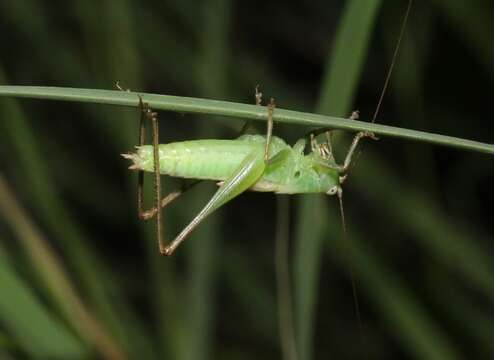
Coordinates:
[250,162]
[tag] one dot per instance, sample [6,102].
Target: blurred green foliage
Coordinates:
[81,277]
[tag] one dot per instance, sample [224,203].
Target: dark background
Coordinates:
[419,216]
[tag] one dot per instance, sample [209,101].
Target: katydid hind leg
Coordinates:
[247,174]
[157,180]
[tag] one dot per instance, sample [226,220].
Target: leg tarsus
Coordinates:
[355,115]
[119,87]
[258,100]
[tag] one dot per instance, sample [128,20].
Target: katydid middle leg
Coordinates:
[269,132]
[258,100]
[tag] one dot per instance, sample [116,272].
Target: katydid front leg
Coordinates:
[349,156]
[328,152]
[269,134]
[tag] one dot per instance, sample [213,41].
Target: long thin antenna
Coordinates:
[340,194]
[356,304]
[393,60]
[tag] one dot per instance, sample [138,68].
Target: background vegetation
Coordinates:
[80,277]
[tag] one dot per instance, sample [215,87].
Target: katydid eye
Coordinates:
[333,190]
[297,174]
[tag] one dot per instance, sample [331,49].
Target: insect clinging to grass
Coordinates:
[250,162]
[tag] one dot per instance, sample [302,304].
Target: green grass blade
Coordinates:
[342,72]
[211,63]
[235,110]
[307,258]
[464,311]
[397,303]
[53,276]
[29,324]
[472,20]
[347,57]
[286,328]
[442,237]
[46,200]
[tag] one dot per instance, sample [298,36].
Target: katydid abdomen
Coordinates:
[197,159]
[288,170]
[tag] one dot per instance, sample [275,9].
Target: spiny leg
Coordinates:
[269,133]
[349,156]
[328,147]
[324,150]
[313,142]
[258,96]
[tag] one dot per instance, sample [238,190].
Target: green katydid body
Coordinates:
[251,162]
[288,170]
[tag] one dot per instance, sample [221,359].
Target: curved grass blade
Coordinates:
[47,202]
[397,304]
[347,57]
[210,61]
[473,21]
[441,237]
[54,277]
[29,324]
[235,110]
[337,90]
